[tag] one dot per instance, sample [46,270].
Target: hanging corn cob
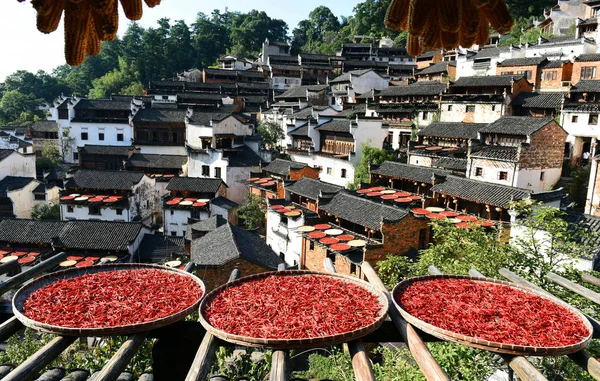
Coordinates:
[87,22]
[446,24]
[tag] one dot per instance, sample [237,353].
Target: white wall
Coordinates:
[284,83]
[110,131]
[368,82]
[177,220]
[163,150]
[491,171]
[423,161]
[285,238]
[484,113]
[530,179]
[22,200]
[237,190]
[325,162]
[19,165]
[82,212]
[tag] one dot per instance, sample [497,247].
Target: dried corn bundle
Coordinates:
[87,22]
[446,24]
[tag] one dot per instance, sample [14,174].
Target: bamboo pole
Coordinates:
[117,364]
[9,328]
[576,288]
[430,368]
[591,279]
[207,350]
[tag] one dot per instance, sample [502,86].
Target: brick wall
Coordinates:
[214,277]
[297,174]
[535,72]
[562,74]
[435,59]
[546,149]
[521,86]
[577,66]
[399,238]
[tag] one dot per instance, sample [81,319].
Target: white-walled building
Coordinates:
[16,196]
[110,196]
[13,163]
[348,86]
[580,118]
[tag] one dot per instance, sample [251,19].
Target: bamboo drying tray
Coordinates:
[492,346]
[23,293]
[282,344]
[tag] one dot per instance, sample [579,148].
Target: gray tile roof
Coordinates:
[451,164]
[526,61]
[205,226]
[361,211]
[45,126]
[452,130]
[159,248]
[586,86]
[102,104]
[516,125]
[407,171]
[300,131]
[82,235]
[429,54]
[479,191]
[440,67]
[346,77]
[486,81]
[497,153]
[554,64]
[160,115]
[311,188]
[588,57]
[539,100]
[300,91]
[282,167]
[140,160]
[4,153]
[582,107]
[204,118]
[417,88]
[106,150]
[224,203]
[199,97]
[105,180]
[11,183]
[195,184]
[490,51]
[243,156]
[228,243]
[336,125]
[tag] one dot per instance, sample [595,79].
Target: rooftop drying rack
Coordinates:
[396,329]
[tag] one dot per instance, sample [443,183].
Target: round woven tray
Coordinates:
[23,293]
[492,346]
[295,343]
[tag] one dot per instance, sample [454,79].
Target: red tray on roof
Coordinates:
[20,253]
[374,194]
[449,213]
[322,226]
[329,241]
[362,191]
[67,198]
[403,200]
[198,204]
[316,235]
[26,260]
[467,218]
[4,252]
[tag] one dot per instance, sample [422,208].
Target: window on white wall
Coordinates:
[344,173]
[574,118]
[542,176]
[593,119]
[502,175]
[478,171]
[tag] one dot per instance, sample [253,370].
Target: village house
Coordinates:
[43,133]
[278,172]
[16,196]
[443,72]
[556,76]
[218,247]
[560,47]
[104,157]
[335,145]
[481,99]
[93,121]
[233,63]
[579,118]
[538,104]
[485,60]
[191,199]
[98,238]
[348,86]
[429,58]
[529,67]
[585,67]
[160,131]
[110,196]
[14,163]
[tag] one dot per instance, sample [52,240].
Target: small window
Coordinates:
[593,119]
[195,214]
[69,208]
[502,175]
[312,245]
[94,210]
[478,171]
[494,108]
[119,212]
[471,108]
[165,97]
[218,172]
[39,197]
[173,234]
[542,176]
[343,173]
[76,156]
[205,171]
[84,135]
[449,107]
[574,118]
[101,136]
[120,137]
[329,170]
[425,115]
[63,114]
[172,212]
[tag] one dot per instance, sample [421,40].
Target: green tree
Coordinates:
[16,106]
[315,33]
[51,152]
[249,30]
[49,211]
[253,211]
[210,39]
[123,80]
[370,155]
[271,133]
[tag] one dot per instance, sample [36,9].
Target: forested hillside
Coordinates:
[170,47]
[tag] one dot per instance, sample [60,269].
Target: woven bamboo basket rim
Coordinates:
[296,343]
[492,346]
[23,293]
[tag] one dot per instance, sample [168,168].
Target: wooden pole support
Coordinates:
[279,366]
[328,265]
[430,368]
[9,328]
[591,279]
[587,362]
[576,288]
[524,369]
[117,364]
[434,270]
[40,359]
[207,350]
[21,278]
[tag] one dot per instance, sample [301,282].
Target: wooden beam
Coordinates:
[9,328]
[434,270]
[279,366]
[576,288]
[475,273]
[430,368]
[120,360]
[23,277]
[29,369]
[207,351]
[591,279]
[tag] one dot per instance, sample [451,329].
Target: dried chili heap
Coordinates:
[492,312]
[292,307]
[112,299]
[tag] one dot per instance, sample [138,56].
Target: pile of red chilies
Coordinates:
[492,312]
[112,299]
[293,307]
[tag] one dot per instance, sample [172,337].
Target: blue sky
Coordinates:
[22,47]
